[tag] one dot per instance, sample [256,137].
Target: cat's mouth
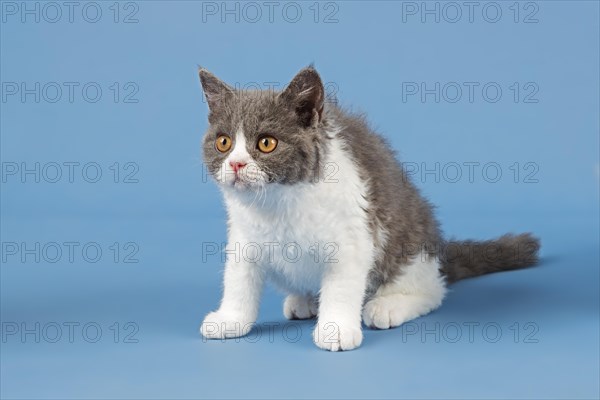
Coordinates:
[239,183]
[243,183]
[249,178]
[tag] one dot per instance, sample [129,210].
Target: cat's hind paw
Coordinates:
[389,311]
[300,307]
[383,313]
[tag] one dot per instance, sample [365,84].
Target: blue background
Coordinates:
[172,210]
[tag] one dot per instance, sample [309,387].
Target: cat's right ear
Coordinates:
[216,91]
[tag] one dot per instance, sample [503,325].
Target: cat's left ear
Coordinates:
[306,94]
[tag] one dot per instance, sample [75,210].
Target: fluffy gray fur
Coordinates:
[300,119]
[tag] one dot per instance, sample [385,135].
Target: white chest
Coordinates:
[295,231]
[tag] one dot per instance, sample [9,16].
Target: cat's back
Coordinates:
[395,205]
[370,152]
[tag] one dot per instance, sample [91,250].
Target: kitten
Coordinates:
[318,204]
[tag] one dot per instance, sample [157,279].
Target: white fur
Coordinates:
[318,217]
[300,307]
[419,290]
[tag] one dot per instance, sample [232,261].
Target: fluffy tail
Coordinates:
[467,259]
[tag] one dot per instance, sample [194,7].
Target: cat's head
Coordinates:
[262,137]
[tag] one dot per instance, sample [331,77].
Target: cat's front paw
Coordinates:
[222,325]
[300,307]
[335,337]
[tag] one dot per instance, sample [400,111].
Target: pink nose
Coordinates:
[237,165]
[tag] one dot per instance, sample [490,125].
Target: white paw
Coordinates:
[299,307]
[381,313]
[384,312]
[221,325]
[335,337]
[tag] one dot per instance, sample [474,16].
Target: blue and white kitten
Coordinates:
[318,204]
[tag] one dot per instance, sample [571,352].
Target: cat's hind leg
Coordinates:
[300,307]
[418,290]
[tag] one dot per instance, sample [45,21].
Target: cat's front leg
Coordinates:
[243,283]
[340,303]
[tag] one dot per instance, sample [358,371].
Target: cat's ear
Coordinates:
[305,94]
[216,91]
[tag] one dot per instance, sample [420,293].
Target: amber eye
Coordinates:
[223,143]
[267,144]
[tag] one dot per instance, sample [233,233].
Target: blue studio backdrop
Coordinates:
[111,230]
